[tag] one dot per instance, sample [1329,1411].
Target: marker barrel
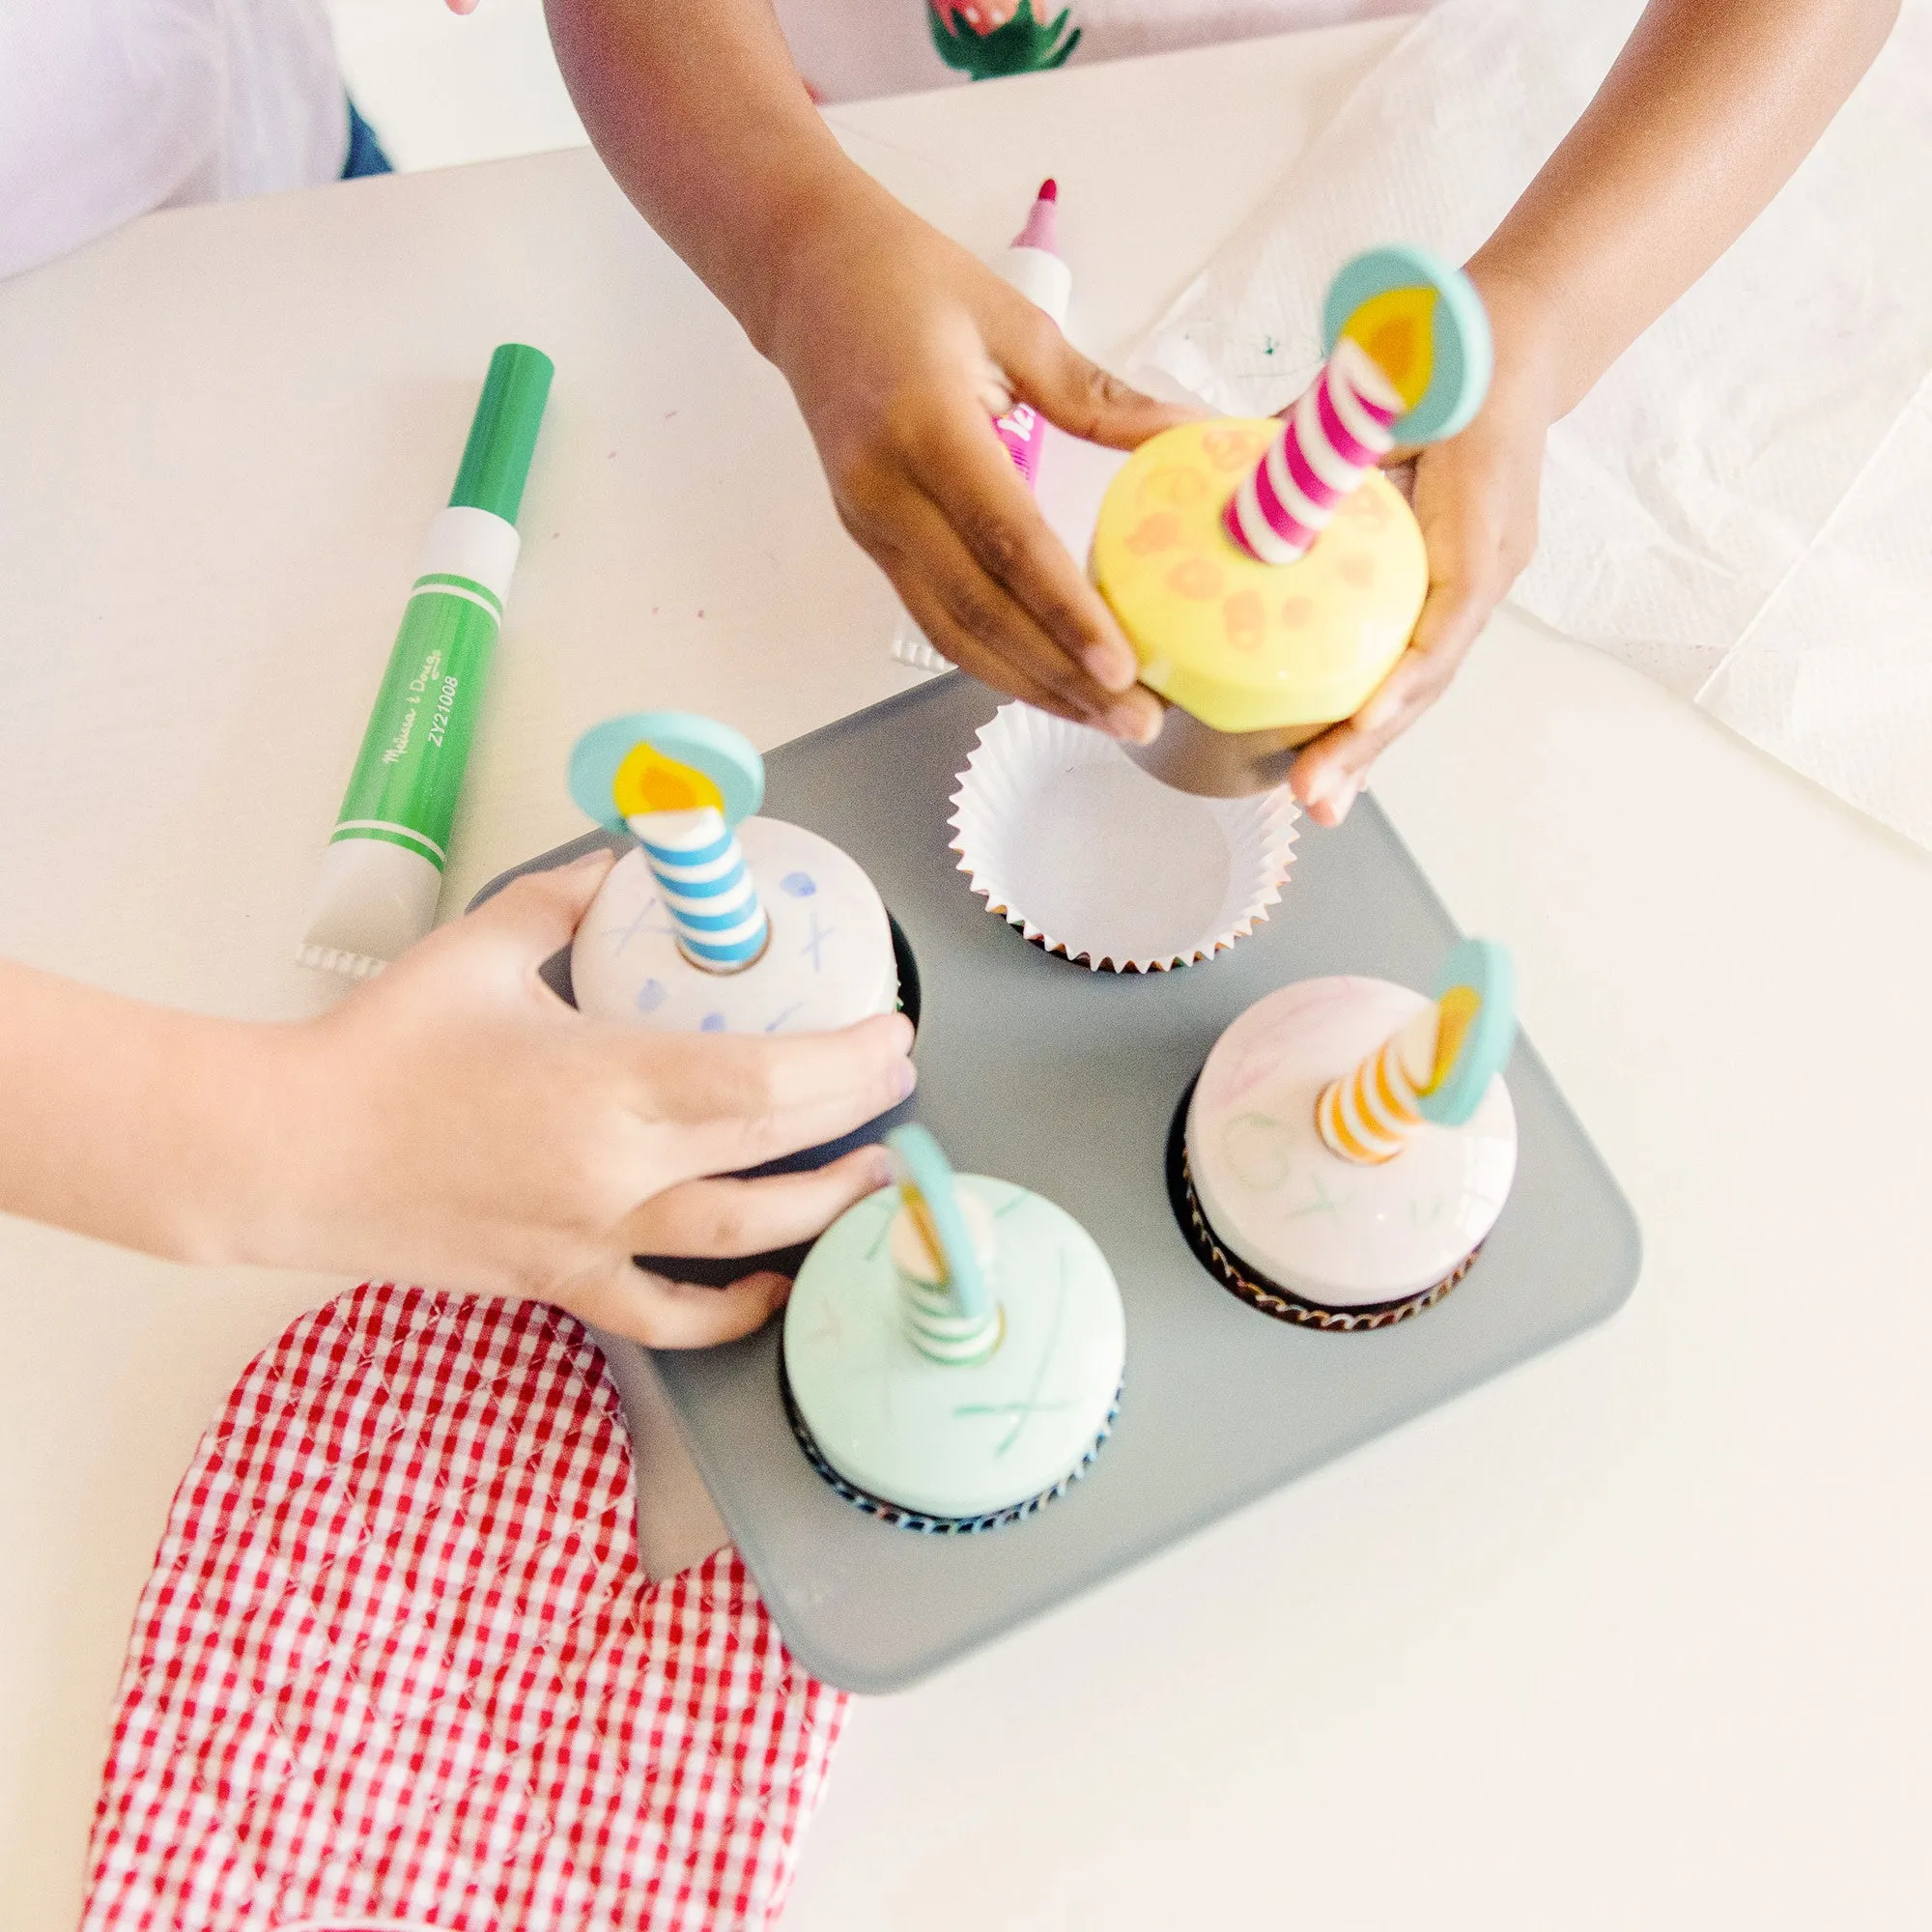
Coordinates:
[382,873]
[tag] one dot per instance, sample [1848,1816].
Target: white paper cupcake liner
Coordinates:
[1072,842]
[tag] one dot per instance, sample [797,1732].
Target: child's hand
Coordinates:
[453,1123]
[901,348]
[1475,497]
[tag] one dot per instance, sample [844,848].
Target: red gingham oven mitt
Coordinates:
[398,1664]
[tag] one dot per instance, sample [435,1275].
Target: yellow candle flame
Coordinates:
[928,1229]
[1397,329]
[1456,1012]
[648,781]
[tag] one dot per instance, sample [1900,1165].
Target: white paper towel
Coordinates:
[1738,507]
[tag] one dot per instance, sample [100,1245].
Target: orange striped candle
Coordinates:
[1369,1114]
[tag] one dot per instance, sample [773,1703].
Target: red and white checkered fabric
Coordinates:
[398,1662]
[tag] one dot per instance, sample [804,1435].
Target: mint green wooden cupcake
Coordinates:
[953,1349]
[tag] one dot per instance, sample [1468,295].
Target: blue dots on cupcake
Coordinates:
[800,885]
[712,1023]
[650,996]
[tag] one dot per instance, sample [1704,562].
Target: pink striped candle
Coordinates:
[1338,431]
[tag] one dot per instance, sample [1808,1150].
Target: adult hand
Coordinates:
[902,348]
[453,1122]
[1475,499]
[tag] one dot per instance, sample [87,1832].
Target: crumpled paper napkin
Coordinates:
[1740,507]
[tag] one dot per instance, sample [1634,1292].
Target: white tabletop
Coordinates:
[1632,1635]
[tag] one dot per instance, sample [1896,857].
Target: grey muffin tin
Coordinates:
[1067,1082]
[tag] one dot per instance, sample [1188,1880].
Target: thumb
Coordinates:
[750,1217]
[539,913]
[665,1314]
[1085,400]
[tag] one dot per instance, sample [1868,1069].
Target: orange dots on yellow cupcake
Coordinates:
[1178,488]
[1246,620]
[1160,531]
[1241,644]
[1230,449]
[1194,577]
[1365,509]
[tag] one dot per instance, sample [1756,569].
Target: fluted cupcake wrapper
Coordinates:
[1069,840]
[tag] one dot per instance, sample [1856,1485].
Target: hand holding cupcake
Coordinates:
[1267,575]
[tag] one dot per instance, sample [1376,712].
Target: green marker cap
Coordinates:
[496,458]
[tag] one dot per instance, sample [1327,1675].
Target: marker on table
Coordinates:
[381,873]
[1034,266]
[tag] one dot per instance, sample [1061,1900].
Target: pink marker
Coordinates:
[1034,266]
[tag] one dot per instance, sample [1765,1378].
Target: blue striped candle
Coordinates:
[705,886]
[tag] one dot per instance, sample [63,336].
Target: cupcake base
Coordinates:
[945,1447]
[901,1517]
[1254,1288]
[1091,859]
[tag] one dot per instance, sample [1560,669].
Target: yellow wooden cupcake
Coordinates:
[1245,646]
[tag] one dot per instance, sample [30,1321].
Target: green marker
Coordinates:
[383,873]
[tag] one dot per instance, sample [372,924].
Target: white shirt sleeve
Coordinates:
[110,108]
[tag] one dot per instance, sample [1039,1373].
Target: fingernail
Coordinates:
[1339,800]
[777,1286]
[1109,667]
[908,1080]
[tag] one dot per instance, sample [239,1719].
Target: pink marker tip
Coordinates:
[1042,222]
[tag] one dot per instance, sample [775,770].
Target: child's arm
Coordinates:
[898,345]
[452,1122]
[1706,113]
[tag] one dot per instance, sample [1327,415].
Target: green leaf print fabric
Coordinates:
[857,49]
[990,38]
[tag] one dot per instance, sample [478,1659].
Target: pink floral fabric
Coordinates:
[852,49]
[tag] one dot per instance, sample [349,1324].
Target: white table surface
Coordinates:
[1630,1636]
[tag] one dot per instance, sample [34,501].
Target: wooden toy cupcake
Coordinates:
[1266,572]
[952,1349]
[1350,1145]
[717,921]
